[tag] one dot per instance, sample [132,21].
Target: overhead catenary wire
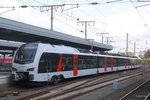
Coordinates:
[61,12]
[34,7]
[139,13]
[71,17]
[74,19]
[57,18]
[143,5]
[114,1]
[7,11]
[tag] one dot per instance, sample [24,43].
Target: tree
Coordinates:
[129,53]
[141,56]
[147,54]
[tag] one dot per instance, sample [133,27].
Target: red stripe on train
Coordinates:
[105,64]
[59,67]
[75,65]
[112,64]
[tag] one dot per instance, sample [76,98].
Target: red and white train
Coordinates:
[7,59]
[38,62]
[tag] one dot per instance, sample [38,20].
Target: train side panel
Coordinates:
[49,62]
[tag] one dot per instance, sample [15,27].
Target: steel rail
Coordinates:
[146,98]
[40,90]
[133,90]
[54,88]
[77,91]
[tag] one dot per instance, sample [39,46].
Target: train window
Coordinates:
[49,62]
[118,62]
[87,62]
[129,62]
[93,62]
[42,68]
[108,62]
[126,61]
[121,62]
[26,53]
[67,62]
[80,64]
[80,61]
[64,61]
[115,61]
[54,62]
[101,62]
[48,59]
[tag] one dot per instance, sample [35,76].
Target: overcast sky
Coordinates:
[116,17]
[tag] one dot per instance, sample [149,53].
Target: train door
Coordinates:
[75,65]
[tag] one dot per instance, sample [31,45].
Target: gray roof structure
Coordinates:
[9,45]
[16,31]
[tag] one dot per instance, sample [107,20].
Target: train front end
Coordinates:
[24,64]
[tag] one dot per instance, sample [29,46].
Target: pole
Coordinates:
[52,7]
[127,45]
[85,30]
[91,43]
[52,18]
[102,36]
[85,23]
[134,48]
[107,39]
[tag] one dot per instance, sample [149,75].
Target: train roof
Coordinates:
[70,50]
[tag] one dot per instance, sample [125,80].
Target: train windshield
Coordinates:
[26,53]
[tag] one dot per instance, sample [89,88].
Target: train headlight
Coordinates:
[14,69]
[30,69]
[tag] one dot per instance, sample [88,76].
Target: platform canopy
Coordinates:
[16,31]
[9,45]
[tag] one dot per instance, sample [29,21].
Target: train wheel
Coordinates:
[62,78]
[55,79]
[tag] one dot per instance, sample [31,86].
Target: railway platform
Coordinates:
[4,78]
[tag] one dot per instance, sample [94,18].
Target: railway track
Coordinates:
[75,89]
[142,92]
[32,91]
[64,88]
